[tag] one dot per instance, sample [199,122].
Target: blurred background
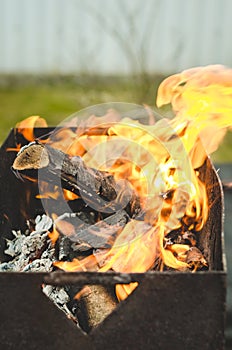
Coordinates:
[60,56]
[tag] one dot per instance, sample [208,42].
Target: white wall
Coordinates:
[113,36]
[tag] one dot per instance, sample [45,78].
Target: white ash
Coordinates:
[34,252]
[43,223]
[28,246]
[31,251]
[39,265]
[57,294]
[60,298]
[25,249]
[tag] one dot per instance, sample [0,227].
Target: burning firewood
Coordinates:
[85,236]
[195,259]
[97,188]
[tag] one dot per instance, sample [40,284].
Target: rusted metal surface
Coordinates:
[169,310]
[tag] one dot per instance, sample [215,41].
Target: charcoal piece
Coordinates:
[80,247]
[65,249]
[84,237]
[181,236]
[87,217]
[195,259]
[190,238]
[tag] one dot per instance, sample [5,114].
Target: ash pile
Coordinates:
[35,251]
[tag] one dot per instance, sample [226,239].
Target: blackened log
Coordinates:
[97,188]
[84,237]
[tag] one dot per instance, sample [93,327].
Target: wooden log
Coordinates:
[95,304]
[97,188]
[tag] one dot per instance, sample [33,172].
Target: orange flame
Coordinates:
[69,196]
[201,98]
[26,127]
[54,235]
[49,194]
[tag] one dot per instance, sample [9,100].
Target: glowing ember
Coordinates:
[159,164]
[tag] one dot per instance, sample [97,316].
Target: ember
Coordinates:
[129,194]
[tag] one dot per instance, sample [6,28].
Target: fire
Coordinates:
[201,99]
[52,194]
[26,127]
[159,163]
[69,196]
[54,235]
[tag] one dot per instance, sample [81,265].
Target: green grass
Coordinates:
[56,98]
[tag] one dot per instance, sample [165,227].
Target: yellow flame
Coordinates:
[201,97]
[26,126]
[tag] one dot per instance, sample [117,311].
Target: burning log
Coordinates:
[84,236]
[97,188]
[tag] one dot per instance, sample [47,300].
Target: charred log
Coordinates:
[97,188]
[79,236]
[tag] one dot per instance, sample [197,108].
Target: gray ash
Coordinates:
[34,252]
